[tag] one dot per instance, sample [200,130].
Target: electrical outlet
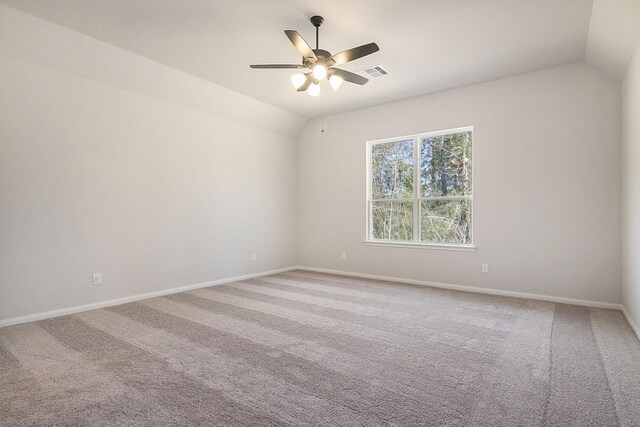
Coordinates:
[253,257]
[97,278]
[343,255]
[485,268]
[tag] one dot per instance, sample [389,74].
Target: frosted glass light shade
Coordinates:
[298,80]
[319,71]
[335,82]
[314,89]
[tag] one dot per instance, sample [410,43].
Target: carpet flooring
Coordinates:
[303,348]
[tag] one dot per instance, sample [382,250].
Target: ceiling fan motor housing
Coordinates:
[322,56]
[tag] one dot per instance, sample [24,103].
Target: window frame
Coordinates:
[418,198]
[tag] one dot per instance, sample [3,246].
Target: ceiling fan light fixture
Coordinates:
[335,81]
[314,89]
[319,64]
[298,80]
[319,71]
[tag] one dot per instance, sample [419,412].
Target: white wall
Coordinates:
[112,163]
[631,190]
[547,185]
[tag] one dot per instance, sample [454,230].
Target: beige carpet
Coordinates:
[304,348]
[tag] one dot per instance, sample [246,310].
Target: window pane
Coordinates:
[446,221]
[392,220]
[392,170]
[445,165]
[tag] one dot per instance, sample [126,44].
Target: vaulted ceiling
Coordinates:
[426,45]
[613,34]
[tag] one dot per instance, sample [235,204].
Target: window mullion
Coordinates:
[416,189]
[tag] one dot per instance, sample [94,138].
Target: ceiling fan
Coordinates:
[318,64]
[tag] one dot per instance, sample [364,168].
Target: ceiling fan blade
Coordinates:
[278,66]
[301,45]
[355,53]
[306,84]
[348,76]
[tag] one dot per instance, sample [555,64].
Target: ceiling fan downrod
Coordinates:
[317,21]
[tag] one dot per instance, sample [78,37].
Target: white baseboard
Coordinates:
[490,291]
[631,322]
[132,298]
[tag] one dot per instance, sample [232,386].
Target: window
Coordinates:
[419,189]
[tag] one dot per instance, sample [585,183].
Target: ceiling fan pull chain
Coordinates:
[322,116]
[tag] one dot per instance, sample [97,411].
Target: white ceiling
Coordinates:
[426,45]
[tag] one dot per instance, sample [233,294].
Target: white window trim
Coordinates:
[416,243]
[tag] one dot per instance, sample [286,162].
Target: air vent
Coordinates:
[373,72]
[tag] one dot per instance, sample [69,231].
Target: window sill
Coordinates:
[414,245]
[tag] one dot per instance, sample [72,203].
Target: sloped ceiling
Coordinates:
[426,45]
[613,34]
